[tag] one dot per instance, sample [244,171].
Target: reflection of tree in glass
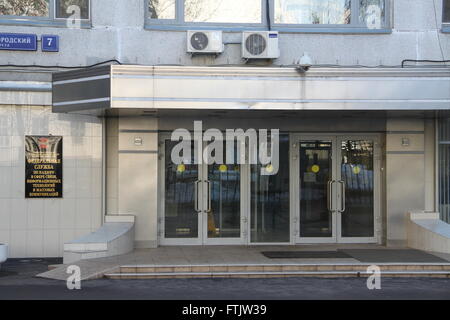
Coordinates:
[32,8]
[161,9]
[62,5]
[331,12]
[200,10]
[313,12]
[364,6]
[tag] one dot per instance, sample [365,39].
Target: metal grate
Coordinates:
[255,44]
[199,41]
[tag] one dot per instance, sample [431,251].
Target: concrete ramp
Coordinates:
[427,232]
[115,237]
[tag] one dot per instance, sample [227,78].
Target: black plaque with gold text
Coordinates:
[43,167]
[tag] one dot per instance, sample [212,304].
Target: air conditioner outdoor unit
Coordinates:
[260,45]
[207,42]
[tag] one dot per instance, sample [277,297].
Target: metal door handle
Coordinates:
[209,195]
[329,190]
[196,196]
[342,183]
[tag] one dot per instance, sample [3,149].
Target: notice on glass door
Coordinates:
[43,167]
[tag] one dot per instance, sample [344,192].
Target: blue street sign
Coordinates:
[50,43]
[16,41]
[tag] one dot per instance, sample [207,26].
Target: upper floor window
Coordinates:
[27,8]
[280,14]
[44,11]
[446,11]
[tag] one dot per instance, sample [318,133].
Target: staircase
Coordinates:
[434,270]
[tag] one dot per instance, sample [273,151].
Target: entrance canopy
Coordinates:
[129,87]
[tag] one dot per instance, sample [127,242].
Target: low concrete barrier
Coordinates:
[115,237]
[427,232]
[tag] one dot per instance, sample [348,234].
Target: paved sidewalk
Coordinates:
[18,281]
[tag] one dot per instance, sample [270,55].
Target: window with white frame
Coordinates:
[291,14]
[446,12]
[44,10]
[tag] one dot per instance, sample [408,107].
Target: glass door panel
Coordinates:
[270,209]
[316,183]
[224,207]
[181,217]
[357,188]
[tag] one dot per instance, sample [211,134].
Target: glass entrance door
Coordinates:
[357,179]
[222,203]
[201,202]
[182,204]
[317,191]
[336,187]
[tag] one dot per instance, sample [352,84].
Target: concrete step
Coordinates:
[268,274]
[279,268]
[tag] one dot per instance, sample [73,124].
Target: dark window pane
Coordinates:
[181,219]
[162,9]
[447,11]
[357,174]
[30,8]
[316,219]
[64,9]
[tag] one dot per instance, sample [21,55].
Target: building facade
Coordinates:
[363,133]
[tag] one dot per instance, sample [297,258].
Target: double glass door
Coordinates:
[326,191]
[337,189]
[202,203]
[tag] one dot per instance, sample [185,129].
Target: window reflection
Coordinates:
[270,200]
[315,173]
[312,11]
[30,8]
[162,9]
[224,217]
[357,174]
[372,13]
[231,11]
[181,220]
[62,7]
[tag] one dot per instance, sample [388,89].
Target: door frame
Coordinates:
[335,138]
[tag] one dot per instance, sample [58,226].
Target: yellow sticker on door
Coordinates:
[356,169]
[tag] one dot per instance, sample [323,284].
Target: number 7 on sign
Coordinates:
[50,43]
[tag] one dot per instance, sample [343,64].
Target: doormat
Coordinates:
[305,254]
[392,256]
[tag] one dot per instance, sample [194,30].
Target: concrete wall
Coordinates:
[409,172]
[137,176]
[415,35]
[39,228]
